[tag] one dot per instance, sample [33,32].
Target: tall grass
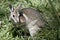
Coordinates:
[50,9]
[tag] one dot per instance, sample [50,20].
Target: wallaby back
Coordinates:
[33,14]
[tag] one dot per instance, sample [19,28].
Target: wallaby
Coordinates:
[31,17]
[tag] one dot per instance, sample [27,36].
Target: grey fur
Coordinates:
[31,17]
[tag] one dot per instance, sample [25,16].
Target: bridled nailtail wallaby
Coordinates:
[31,17]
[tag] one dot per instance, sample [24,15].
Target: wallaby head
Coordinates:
[15,14]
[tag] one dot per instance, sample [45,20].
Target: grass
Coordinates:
[9,32]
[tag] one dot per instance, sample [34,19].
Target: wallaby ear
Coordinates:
[11,7]
[19,7]
[22,19]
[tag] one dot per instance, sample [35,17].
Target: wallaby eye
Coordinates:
[13,15]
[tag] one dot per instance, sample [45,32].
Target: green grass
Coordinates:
[50,11]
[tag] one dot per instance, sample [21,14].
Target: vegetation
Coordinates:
[51,13]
